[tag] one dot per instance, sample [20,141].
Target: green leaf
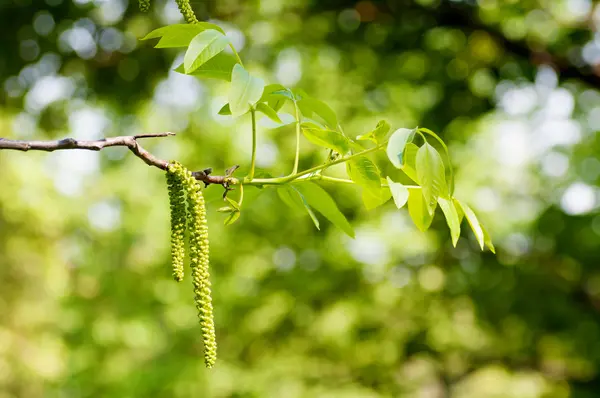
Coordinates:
[399,193]
[410,161]
[320,200]
[284,93]
[487,239]
[225,209]
[179,35]
[374,199]
[218,67]
[396,145]
[268,111]
[452,219]
[447,154]
[476,227]
[309,105]
[233,203]
[203,47]
[459,211]
[378,134]
[269,90]
[431,175]
[232,217]
[417,208]
[326,138]
[364,173]
[225,110]
[245,90]
[274,101]
[294,199]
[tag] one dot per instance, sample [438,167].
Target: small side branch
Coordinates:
[129,141]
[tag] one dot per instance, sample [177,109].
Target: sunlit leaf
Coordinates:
[364,173]
[203,47]
[179,35]
[245,90]
[449,210]
[218,67]
[430,174]
[446,155]
[396,145]
[320,200]
[410,161]
[309,105]
[225,110]
[399,193]
[378,134]
[326,138]
[268,111]
[477,228]
[417,208]
[374,199]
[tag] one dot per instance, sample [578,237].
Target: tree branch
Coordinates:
[97,145]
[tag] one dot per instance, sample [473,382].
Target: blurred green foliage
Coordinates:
[87,304]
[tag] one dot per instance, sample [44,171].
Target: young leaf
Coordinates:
[225,111]
[232,217]
[291,197]
[487,239]
[476,227]
[396,145]
[449,210]
[284,93]
[233,203]
[399,193]
[320,200]
[326,138]
[203,47]
[179,35]
[309,105]
[245,90]
[268,112]
[269,90]
[218,67]
[410,161]
[459,211]
[364,173]
[446,153]
[378,134]
[431,175]
[417,208]
[373,199]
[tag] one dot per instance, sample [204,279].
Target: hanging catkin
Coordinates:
[199,258]
[178,221]
[186,11]
[144,5]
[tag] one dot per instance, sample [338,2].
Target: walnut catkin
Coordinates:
[144,5]
[178,220]
[186,11]
[199,258]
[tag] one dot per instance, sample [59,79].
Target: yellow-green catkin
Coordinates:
[178,218]
[186,10]
[199,263]
[144,5]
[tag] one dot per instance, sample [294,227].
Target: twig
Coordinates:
[97,145]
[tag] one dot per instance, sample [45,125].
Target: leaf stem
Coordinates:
[253,161]
[297,157]
[241,195]
[236,54]
[296,176]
